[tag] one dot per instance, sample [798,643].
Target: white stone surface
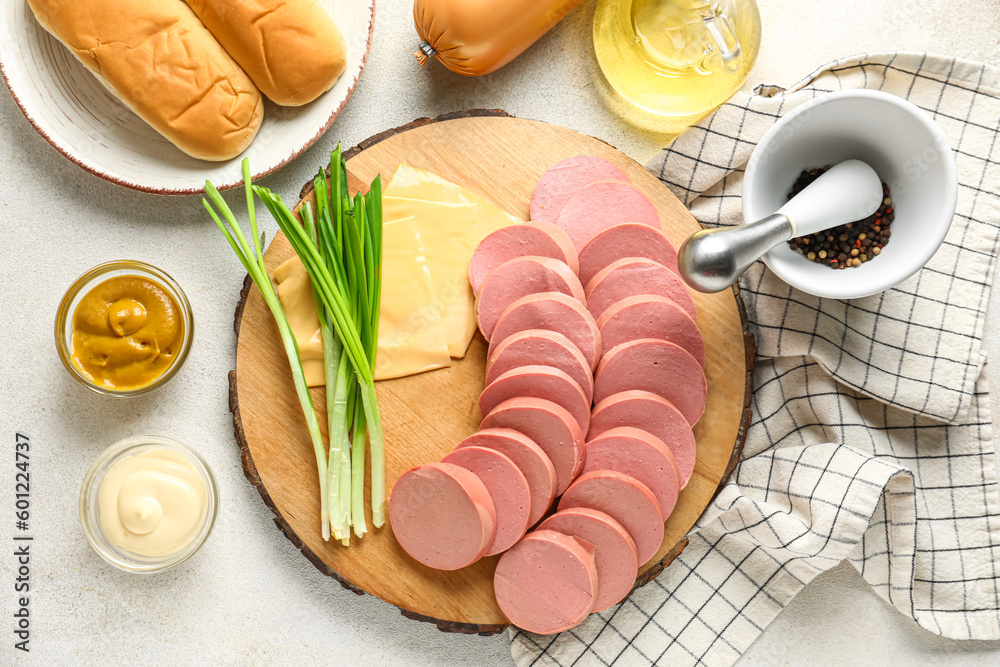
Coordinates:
[249,597]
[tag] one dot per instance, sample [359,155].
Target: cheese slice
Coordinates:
[296,296]
[411,336]
[412,183]
[452,222]
[449,234]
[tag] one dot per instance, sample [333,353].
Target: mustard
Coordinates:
[153,503]
[127,332]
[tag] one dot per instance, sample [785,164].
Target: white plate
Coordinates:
[73,111]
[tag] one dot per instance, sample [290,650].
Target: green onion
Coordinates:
[344,262]
[253,262]
[340,247]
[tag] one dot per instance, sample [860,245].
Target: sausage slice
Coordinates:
[598,206]
[656,366]
[520,277]
[632,276]
[628,239]
[547,582]
[626,500]
[539,346]
[537,238]
[552,311]
[650,316]
[544,382]
[615,555]
[506,485]
[653,414]
[552,428]
[561,180]
[442,515]
[640,455]
[528,457]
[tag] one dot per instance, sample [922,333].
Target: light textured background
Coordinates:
[249,596]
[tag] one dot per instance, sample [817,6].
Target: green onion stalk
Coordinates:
[336,368]
[253,261]
[344,261]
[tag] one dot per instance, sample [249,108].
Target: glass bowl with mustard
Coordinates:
[124,328]
[148,503]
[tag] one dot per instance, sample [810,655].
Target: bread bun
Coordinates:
[165,66]
[291,49]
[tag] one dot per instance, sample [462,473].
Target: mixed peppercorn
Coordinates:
[846,245]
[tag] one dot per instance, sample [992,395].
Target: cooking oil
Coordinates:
[676,59]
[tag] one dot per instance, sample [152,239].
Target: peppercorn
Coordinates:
[850,244]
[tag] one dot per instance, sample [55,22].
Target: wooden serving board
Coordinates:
[425,416]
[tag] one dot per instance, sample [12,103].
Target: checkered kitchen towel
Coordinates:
[872,438]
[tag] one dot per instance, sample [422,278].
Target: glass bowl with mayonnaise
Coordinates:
[124,328]
[148,503]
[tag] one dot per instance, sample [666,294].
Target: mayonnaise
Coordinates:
[152,503]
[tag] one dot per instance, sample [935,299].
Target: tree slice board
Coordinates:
[425,416]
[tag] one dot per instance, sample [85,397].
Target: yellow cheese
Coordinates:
[452,222]
[431,228]
[412,183]
[449,234]
[296,296]
[411,336]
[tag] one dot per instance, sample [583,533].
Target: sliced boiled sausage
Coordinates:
[641,455]
[626,500]
[598,206]
[528,457]
[545,382]
[561,180]
[615,555]
[633,276]
[507,486]
[538,238]
[653,414]
[540,346]
[520,277]
[442,515]
[552,311]
[657,366]
[547,582]
[551,427]
[628,239]
[650,316]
